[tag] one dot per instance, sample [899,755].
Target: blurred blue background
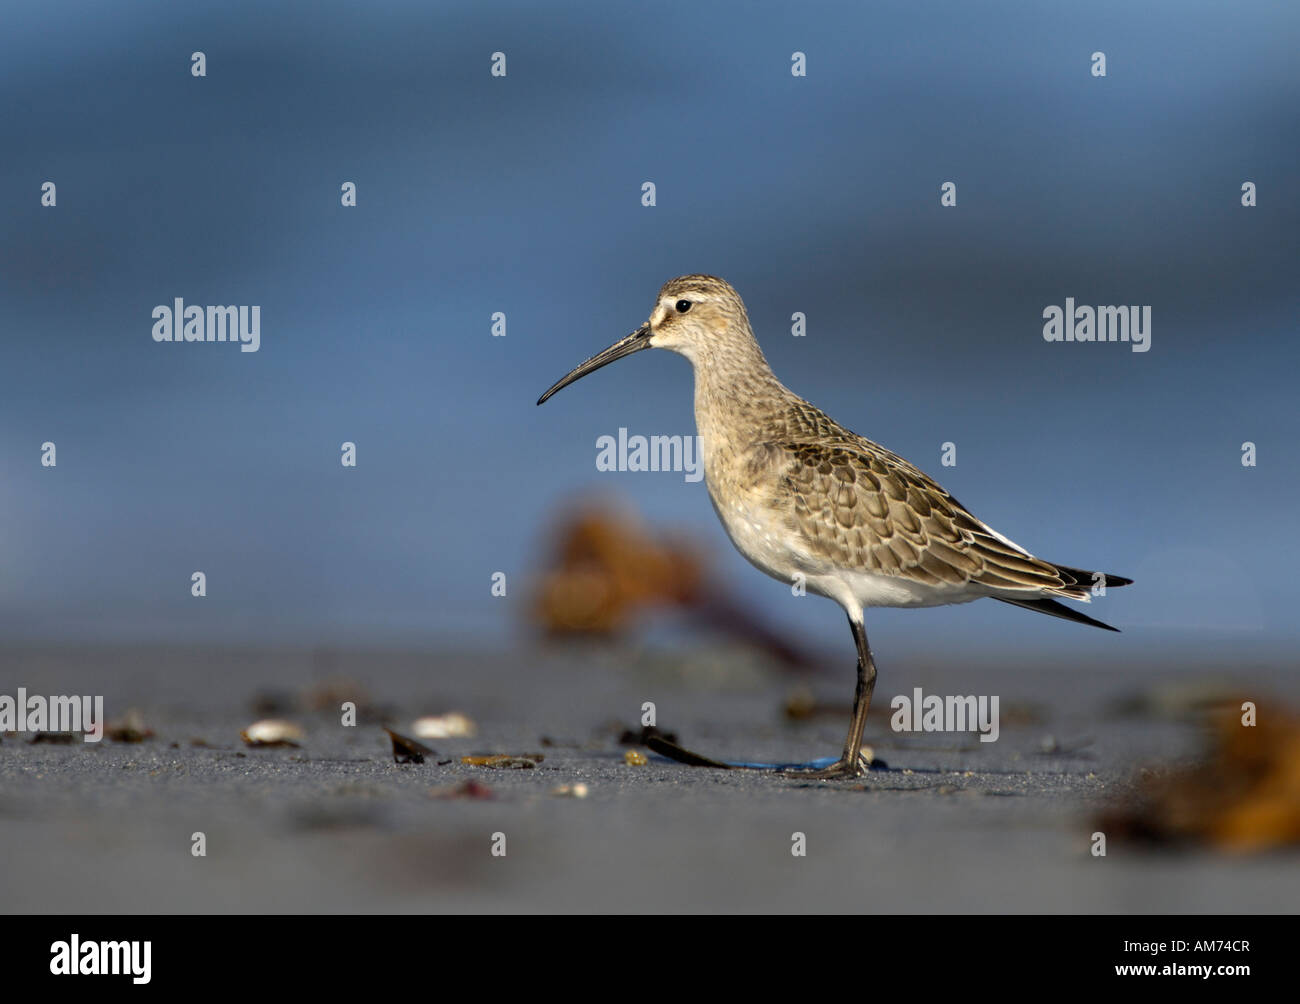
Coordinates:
[522,195]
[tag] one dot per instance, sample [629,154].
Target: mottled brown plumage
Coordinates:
[860,505]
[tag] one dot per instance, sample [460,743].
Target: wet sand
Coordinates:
[336,826]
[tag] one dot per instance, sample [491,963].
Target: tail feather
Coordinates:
[1054,609]
[1087,579]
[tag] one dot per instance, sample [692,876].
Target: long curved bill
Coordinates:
[635,342]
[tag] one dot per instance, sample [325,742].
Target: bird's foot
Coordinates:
[841,769]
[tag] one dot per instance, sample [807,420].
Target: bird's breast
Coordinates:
[759,531]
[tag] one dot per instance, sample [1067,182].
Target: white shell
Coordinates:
[452,725]
[272,730]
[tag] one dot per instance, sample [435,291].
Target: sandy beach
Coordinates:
[336,825]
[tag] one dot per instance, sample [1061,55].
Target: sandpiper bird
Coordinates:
[802,496]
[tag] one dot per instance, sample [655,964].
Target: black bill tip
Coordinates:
[635,342]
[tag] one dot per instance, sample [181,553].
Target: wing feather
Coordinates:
[858,504]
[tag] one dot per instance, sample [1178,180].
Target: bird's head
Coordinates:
[698,316]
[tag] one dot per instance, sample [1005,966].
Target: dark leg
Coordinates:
[849,764]
[862,695]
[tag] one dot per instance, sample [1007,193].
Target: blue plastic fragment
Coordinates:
[817,764]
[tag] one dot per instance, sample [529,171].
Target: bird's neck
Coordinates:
[736,399]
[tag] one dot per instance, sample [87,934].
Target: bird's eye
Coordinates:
[683,306]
